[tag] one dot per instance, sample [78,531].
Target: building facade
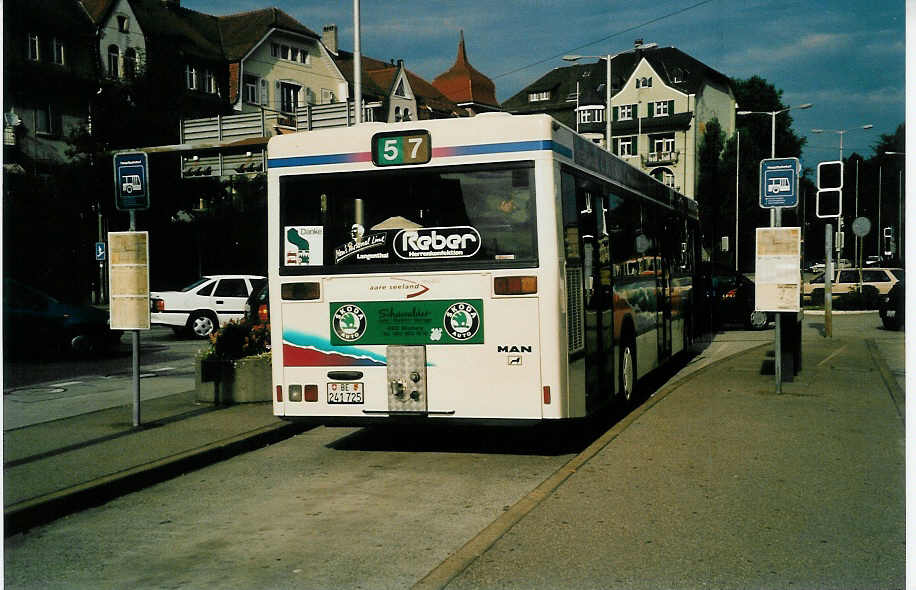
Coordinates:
[661,101]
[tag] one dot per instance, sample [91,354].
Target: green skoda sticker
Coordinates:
[407,322]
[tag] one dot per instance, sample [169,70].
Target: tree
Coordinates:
[716,185]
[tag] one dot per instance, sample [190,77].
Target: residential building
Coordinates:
[390,92]
[465,86]
[661,100]
[48,77]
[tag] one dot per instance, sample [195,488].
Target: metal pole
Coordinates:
[828,280]
[880,231]
[357,66]
[135,349]
[737,175]
[610,108]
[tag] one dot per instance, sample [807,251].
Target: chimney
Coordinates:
[329,38]
[637,43]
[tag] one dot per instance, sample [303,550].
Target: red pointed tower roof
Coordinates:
[463,84]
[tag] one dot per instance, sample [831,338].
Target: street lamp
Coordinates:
[772,115]
[607,86]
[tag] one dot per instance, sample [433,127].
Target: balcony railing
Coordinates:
[660,158]
[266,123]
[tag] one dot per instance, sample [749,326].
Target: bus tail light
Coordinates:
[300,291]
[279,393]
[515,285]
[546,394]
[310,393]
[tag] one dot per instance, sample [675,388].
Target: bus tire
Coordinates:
[628,370]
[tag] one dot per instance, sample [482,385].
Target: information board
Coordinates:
[128,277]
[777,276]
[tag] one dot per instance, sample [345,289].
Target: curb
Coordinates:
[43,509]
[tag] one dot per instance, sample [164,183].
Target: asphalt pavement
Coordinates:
[716,475]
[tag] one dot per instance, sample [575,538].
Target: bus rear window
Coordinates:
[433,217]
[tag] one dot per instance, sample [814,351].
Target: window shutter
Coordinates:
[615,114]
[264,96]
[616,144]
[651,109]
[670,107]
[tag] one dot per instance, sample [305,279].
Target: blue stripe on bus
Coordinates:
[466,150]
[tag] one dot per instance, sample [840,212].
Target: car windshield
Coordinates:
[898,272]
[195,284]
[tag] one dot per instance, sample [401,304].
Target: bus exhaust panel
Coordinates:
[406,379]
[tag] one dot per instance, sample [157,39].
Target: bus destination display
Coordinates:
[401,148]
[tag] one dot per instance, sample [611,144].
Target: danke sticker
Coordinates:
[304,245]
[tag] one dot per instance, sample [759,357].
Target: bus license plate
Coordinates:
[345,393]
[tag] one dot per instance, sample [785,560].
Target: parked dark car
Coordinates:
[257,308]
[35,321]
[893,308]
[731,299]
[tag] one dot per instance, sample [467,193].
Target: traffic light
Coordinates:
[888,241]
[829,203]
[830,175]
[829,190]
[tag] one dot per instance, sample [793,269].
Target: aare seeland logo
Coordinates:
[460,241]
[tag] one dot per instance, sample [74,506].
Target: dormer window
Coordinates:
[123,24]
[644,82]
[539,96]
[400,90]
[289,53]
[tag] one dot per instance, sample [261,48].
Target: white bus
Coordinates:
[498,268]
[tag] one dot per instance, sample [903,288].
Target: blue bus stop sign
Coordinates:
[131,177]
[779,182]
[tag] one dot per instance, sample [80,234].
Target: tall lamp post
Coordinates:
[608,117]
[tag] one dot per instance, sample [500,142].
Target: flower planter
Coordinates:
[244,380]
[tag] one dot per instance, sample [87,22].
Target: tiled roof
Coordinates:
[241,32]
[378,79]
[677,70]
[462,83]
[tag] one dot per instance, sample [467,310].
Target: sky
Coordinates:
[847,58]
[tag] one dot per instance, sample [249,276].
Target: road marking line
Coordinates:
[835,352]
[68,383]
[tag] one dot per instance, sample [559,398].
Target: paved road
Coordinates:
[38,390]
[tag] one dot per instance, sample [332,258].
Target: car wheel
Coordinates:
[202,324]
[890,323]
[628,371]
[758,320]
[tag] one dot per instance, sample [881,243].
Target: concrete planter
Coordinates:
[238,381]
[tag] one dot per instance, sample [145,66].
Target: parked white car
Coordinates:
[205,305]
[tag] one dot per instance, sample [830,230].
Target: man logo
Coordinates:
[349,323]
[461,321]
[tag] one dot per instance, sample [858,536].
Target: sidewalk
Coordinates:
[717,481]
[56,468]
